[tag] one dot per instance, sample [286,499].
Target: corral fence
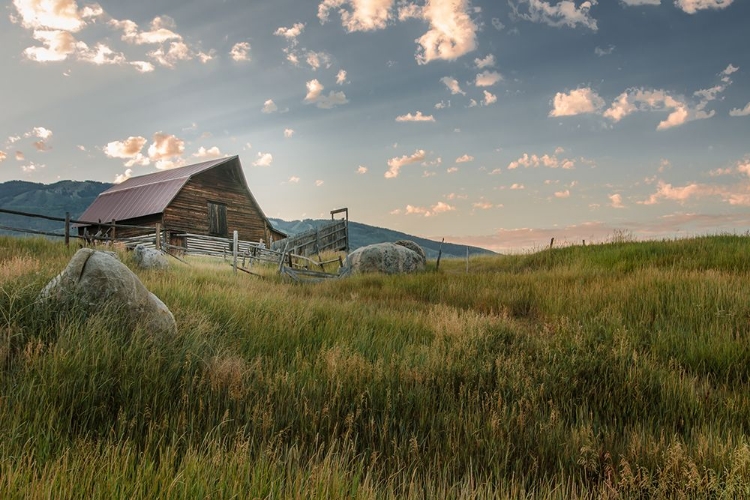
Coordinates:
[243,255]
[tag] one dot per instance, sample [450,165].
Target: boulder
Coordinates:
[149,258]
[97,281]
[413,246]
[387,258]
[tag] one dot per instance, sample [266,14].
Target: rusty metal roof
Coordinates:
[146,194]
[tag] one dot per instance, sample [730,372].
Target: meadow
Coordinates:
[619,370]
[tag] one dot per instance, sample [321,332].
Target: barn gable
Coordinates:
[182,200]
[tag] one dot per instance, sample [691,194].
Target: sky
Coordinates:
[495,123]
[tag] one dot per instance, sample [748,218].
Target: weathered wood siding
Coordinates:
[189,210]
[125,232]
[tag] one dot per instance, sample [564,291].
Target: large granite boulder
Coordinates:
[413,246]
[98,281]
[149,258]
[388,258]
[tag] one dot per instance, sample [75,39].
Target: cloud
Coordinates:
[177,51]
[616,201]
[396,163]
[159,32]
[641,2]
[464,159]
[264,160]
[317,59]
[129,149]
[483,205]
[489,98]
[240,51]
[358,15]
[361,170]
[315,95]
[497,24]
[54,14]
[120,178]
[740,112]
[58,45]
[604,52]
[549,161]
[341,77]
[486,62]
[165,146]
[517,187]
[488,78]
[293,179]
[452,85]
[562,194]
[291,33]
[576,102]
[288,132]
[417,117]
[693,6]
[452,32]
[3,155]
[39,132]
[142,66]
[658,100]
[319,183]
[208,153]
[269,106]
[438,208]
[100,55]
[443,105]
[20,156]
[564,13]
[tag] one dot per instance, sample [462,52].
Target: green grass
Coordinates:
[618,370]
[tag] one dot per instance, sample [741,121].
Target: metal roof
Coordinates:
[146,194]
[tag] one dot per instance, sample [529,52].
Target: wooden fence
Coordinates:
[333,236]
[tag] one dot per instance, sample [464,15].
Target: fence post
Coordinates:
[235,244]
[158,236]
[467,259]
[67,229]
[440,253]
[114,230]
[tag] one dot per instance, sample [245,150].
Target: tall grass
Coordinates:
[616,370]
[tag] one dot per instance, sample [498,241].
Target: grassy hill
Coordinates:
[606,371]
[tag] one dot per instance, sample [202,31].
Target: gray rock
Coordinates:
[149,258]
[413,246]
[387,258]
[97,280]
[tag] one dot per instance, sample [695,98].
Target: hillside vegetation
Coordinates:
[618,370]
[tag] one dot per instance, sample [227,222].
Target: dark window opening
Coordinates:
[217,219]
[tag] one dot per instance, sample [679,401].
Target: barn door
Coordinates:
[217,219]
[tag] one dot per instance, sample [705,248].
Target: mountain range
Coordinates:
[56,199]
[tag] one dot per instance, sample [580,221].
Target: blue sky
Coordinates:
[495,123]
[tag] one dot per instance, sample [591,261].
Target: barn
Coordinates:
[210,198]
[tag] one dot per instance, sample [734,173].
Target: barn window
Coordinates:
[217,219]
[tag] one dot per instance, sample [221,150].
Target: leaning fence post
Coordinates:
[440,253]
[67,229]
[235,244]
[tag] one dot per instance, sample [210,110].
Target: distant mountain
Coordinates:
[75,196]
[361,235]
[46,199]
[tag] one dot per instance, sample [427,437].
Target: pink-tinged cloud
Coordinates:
[54,14]
[693,6]
[564,13]
[264,160]
[549,161]
[165,146]
[616,200]
[452,32]
[464,158]
[438,208]
[417,117]
[576,102]
[204,153]
[358,15]
[487,78]
[160,31]
[240,52]
[395,164]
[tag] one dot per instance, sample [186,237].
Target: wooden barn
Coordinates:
[210,198]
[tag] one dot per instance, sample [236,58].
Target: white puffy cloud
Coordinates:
[452,32]
[641,2]
[165,146]
[317,59]
[740,112]
[269,106]
[160,31]
[564,13]
[288,132]
[693,6]
[576,102]
[489,98]
[488,78]
[616,200]
[100,55]
[40,132]
[417,117]
[362,170]
[659,100]
[517,187]
[264,160]
[341,77]
[54,14]
[207,153]
[486,62]
[452,85]
[290,33]
[358,15]
[396,163]
[128,148]
[549,161]
[562,194]
[3,155]
[240,51]
[58,45]
[177,51]
[464,158]
[120,178]
[142,66]
[315,95]
[438,208]
[443,105]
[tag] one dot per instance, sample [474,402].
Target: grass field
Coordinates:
[619,370]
